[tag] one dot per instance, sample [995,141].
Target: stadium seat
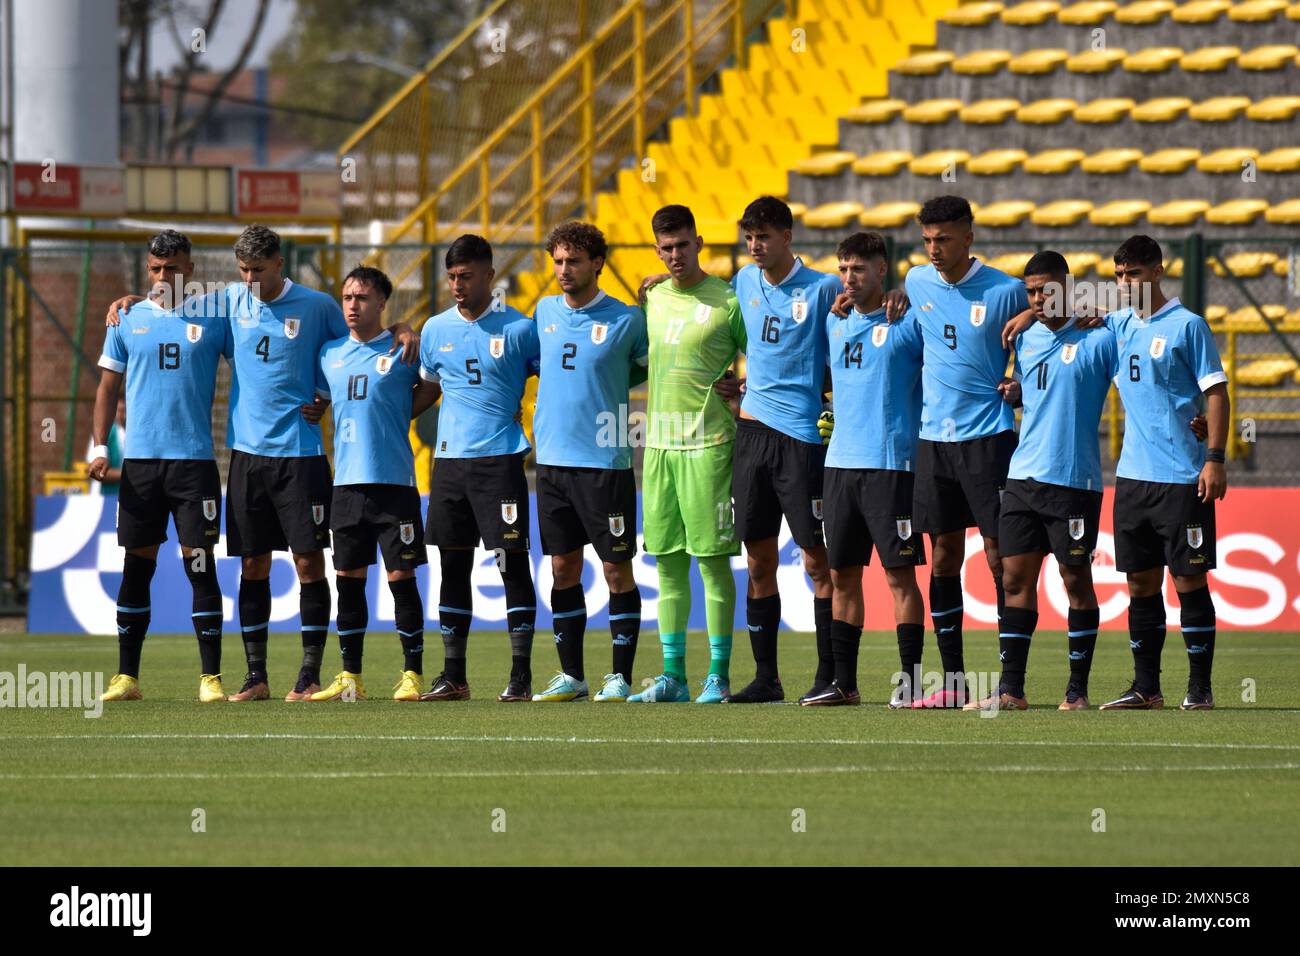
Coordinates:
[1200,11]
[1269,57]
[1095,61]
[1001,215]
[1273,109]
[1144,12]
[1164,109]
[1110,110]
[997,162]
[928,63]
[1169,162]
[825,164]
[890,215]
[1030,14]
[1266,373]
[1210,59]
[989,112]
[1044,112]
[1220,109]
[832,215]
[885,163]
[797,209]
[1063,212]
[1252,265]
[1237,212]
[1293,12]
[1284,214]
[930,112]
[981,62]
[1226,160]
[1088,14]
[1155,59]
[1054,162]
[875,111]
[1178,212]
[973,15]
[938,162]
[1215,313]
[1080,262]
[1259,11]
[1012,263]
[1112,161]
[1038,62]
[1120,212]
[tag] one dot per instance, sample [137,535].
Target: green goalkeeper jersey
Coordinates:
[694,335]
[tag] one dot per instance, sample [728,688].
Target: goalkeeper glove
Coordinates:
[826,425]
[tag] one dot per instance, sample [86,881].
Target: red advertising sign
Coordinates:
[53,187]
[285,193]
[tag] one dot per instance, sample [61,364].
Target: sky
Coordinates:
[226,38]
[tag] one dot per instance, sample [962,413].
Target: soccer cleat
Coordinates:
[345,686]
[210,689]
[666,689]
[832,696]
[759,692]
[562,689]
[516,690]
[946,699]
[122,687]
[408,686]
[901,698]
[308,684]
[1074,700]
[818,688]
[716,689]
[615,689]
[1134,699]
[1002,701]
[255,688]
[1198,698]
[444,688]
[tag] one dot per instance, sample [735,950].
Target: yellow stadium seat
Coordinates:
[1038,62]
[938,162]
[981,62]
[1012,263]
[1169,162]
[929,112]
[1269,57]
[886,163]
[1273,109]
[1080,262]
[1179,212]
[1110,110]
[719,266]
[1259,11]
[1063,212]
[1252,265]
[1174,269]
[928,63]
[1042,112]
[1210,59]
[1054,162]
[1155,59]
[875,111]
[1220,109]
[1200,11]
[1120,212]
[1284,214]
[997,162]
[829,263]
[1237,212]
[797,209]
[1000,215]
[1030,14]
[1293,12]
[973,14]
[1095,61]
[832,215]
[1144,12]
[825,164]
[1227,160]
[1163,109]
[890,215]
[1266,373]
[1215,313]
[1090,13]
[988,112]
[1112,161]
[1282,266]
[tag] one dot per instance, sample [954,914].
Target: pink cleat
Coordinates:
[946,699]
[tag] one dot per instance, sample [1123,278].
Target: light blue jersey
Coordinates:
[1064,379]
[586,355]
[482,366]
[371,392]
[170,362]
[876,375]
[964,357]
[785,358]
[277,345]
[1165,363]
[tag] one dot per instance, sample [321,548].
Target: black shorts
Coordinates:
[868,507]
[579,506]
[772,475]
[277,504]
[363,516]
[1040,517]
[473,499]
[153,489]
[959,483]
[1159,525]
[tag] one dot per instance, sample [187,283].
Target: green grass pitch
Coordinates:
[378,782]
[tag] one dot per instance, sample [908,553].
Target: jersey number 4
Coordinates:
[263,348]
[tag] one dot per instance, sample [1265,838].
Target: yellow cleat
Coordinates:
[409,686]
[210,689]
[122,687]
[344,686]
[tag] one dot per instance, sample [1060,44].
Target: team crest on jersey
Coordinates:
[510,511]
[904,528]
[1068,353]
[879,334]
[977,312]
[817,508]
[1157,346]
[383,363]
[497,346]
[291,326]
[210,509]
[702,313]
[617,525]
[1195,536]
[598,332]
[446,348]
[317,513]
[1076,527]
[193,332]
[406,531]
[799,311]
[550,328]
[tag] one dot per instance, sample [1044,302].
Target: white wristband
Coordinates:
[99,451]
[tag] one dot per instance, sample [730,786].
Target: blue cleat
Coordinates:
[664,690]
[562,689]
[614,689]
[716,687]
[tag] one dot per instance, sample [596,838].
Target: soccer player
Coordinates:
[695,331]
[1166,484]
[375,500]
[1052,500]
[779,452]
[876,377]
[480,352]
[586,492]
[169,357]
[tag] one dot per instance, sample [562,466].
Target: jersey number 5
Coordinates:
[473,371]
